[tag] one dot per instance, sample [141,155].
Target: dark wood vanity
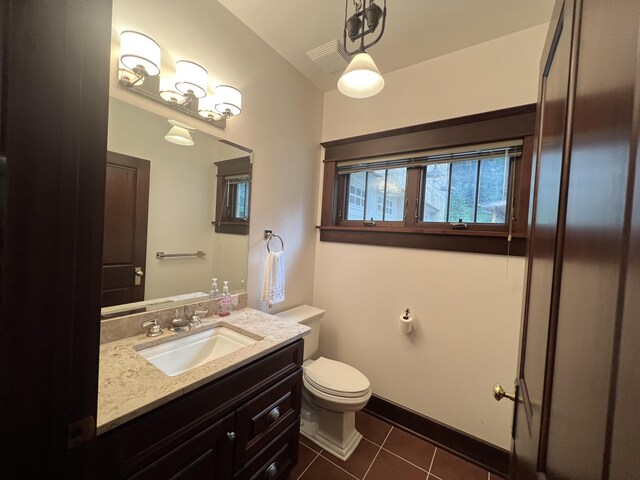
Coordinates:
[244,425]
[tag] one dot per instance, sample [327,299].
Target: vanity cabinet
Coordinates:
[243,425]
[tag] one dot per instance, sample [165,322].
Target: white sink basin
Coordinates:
[182,354]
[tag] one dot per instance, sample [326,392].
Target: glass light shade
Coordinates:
[361,79]
[168,90]
[207,108]
[228,99]
[127,77]
[179,134]
[191,77]
[139,51]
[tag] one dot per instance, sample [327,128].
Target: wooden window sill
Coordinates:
[460,241]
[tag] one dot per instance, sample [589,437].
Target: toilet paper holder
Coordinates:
[405,322]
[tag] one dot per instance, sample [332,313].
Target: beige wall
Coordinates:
[467,306]
[281,121]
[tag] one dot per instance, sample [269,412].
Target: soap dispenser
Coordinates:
[214,293]
[225,304]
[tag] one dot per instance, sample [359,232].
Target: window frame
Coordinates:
[224,222]
[500,125]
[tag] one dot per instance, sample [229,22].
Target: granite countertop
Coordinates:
[129,385]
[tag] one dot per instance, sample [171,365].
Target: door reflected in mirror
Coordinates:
[189,203]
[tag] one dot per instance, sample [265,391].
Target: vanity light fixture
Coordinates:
[179,134]
[128,77]
[185,91]
[207,108]
[168,91]
[229,100]
[362,79]
[139,54]
[191,79]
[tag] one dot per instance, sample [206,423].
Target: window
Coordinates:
[455,188]
[469,191]
[233,192]
[470,196]
[376,195]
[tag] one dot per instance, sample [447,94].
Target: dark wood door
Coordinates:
[125,229]
[55,61]
[545,246]
[574,377]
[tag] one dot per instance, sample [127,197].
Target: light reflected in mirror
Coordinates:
[161,197]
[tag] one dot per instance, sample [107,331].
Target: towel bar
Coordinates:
[161,255]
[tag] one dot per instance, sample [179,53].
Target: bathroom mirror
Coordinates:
[183,249]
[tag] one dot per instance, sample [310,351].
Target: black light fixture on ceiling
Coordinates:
[362,78]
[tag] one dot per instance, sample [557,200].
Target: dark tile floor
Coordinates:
[385,452]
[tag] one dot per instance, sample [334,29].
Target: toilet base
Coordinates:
[335,432]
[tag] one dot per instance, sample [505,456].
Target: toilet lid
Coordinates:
[336,378]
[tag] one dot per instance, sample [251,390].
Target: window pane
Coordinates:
[492,197]
[463,191]
[375,194]
[355,204]
[394,202]
[241,200]
[436,193]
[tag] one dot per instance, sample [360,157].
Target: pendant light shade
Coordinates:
[179,134]
[229,100]
[139,53]
[191,77]
[361,79]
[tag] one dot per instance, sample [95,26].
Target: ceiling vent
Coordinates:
[330,57]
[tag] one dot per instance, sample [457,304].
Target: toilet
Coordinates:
[333,391]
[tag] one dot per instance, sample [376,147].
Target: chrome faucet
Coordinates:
[154,328]
[178,324]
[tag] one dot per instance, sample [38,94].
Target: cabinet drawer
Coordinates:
[267,416]
[276,460]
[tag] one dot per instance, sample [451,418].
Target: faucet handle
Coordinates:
[195,321]
[154,328]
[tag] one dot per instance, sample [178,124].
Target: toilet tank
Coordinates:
[309,316]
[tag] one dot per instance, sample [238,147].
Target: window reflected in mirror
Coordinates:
[234,191]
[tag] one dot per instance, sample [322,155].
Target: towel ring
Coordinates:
[279,238]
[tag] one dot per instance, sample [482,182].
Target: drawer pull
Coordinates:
[231,436]
[273,415]
[271,471]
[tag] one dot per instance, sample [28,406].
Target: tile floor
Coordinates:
[385,452]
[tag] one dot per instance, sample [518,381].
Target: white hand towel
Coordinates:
[273,290]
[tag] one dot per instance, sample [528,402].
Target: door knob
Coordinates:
[499,393]
[138,275]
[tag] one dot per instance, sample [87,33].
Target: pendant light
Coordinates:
[362,79]
[179,134]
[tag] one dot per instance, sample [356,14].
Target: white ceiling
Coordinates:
[416,30]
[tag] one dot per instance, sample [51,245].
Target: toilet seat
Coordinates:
[336,379]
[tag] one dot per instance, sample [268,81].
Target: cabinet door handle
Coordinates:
[271,471]
[231,436]
[273,415]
